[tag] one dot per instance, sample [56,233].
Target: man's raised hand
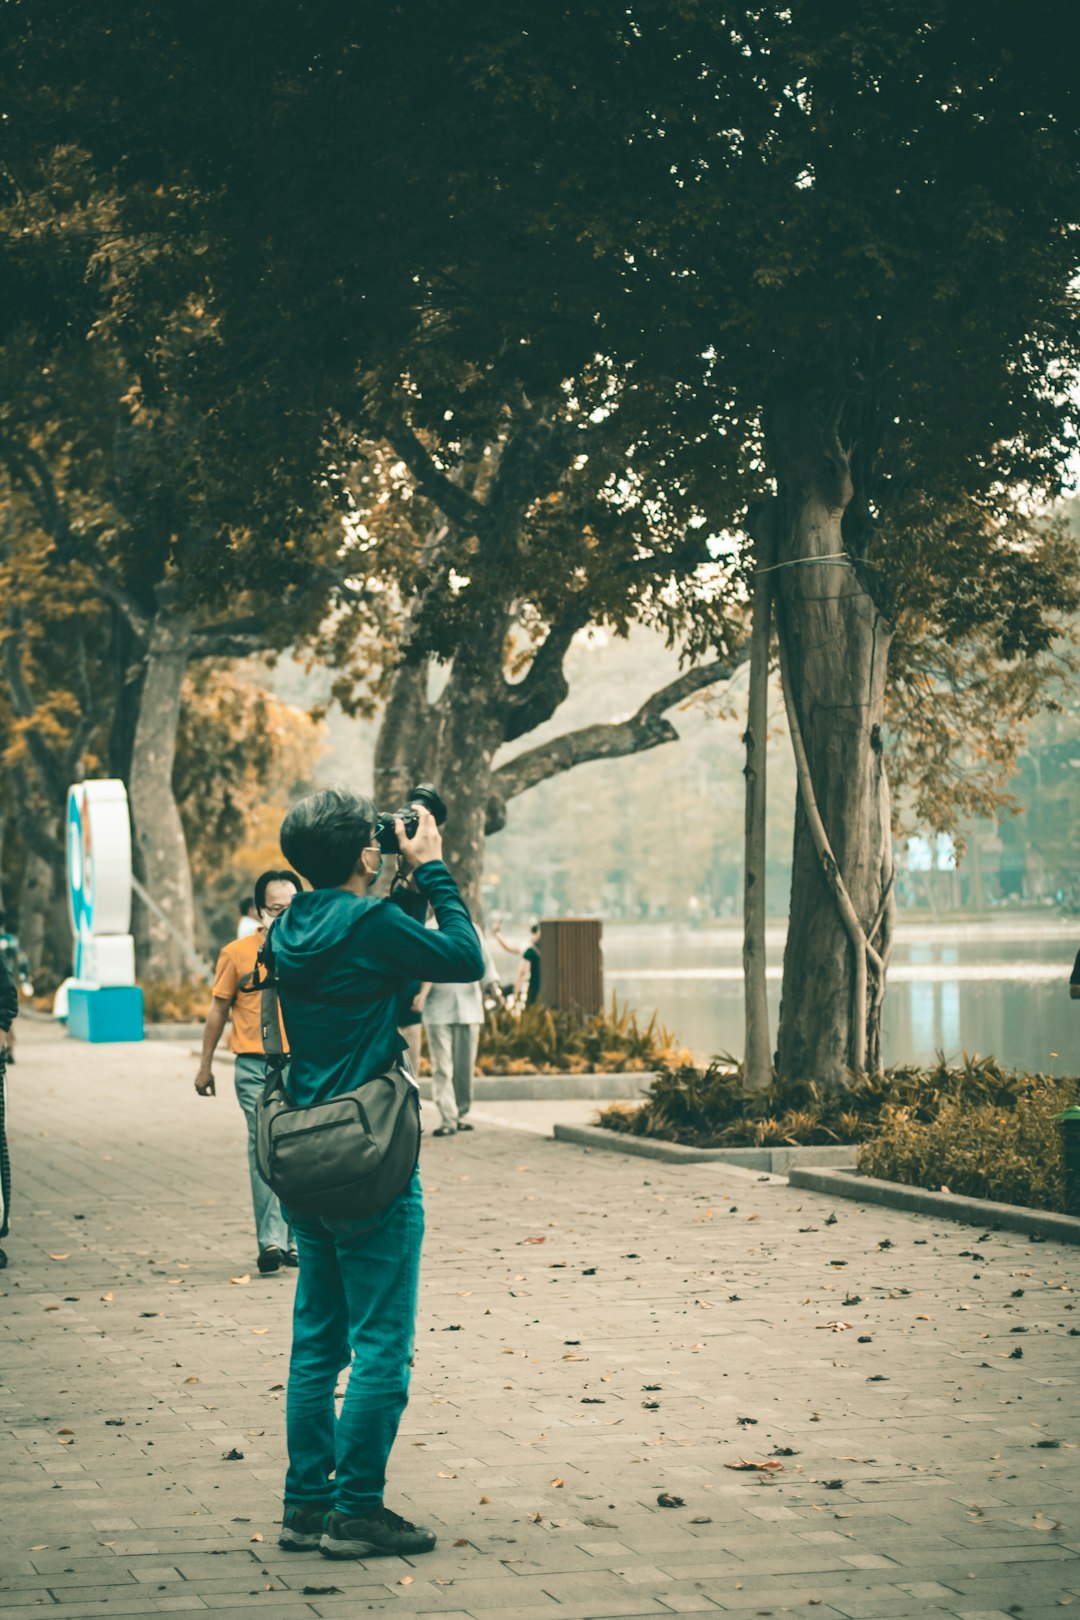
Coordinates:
[426,843]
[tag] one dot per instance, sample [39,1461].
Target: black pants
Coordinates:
[5,1162]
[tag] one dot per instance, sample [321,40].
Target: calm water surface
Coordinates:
[999,987]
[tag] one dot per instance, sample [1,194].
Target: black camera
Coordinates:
[386,833]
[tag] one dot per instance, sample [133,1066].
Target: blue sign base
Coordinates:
[112,1013]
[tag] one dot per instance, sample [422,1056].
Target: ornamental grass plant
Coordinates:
[542,1040]
[976,1128]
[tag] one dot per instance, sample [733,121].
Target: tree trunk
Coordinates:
[159,832]
[405,737]
[834,653]
[757,1052]
[44,924]
[450,742]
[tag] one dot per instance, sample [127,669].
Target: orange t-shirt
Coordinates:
[235,964]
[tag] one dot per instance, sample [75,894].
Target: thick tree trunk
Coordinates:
[405,737]
[44,924]
[159,833]
[834,656]
[757,1051]
[450,742]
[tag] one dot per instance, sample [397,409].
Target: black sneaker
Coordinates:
[302,1525]
[383,1535]
[270,1260]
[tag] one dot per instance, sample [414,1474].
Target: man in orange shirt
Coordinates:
[273,892]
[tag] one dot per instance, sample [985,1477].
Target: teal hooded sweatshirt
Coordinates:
[334,951]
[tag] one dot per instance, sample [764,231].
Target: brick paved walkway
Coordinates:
[594,1331]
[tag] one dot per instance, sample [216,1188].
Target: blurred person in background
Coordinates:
[234,997]
[249,917]
[9,1011]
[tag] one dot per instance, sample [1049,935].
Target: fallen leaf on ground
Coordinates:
[537,1518]
[107,1298]
[42,1546]
[485,1501]
[665,1499]
[406,1580]
[745,1464]
[191,1380]
[232,1455]
[462,1541]
[60,1257]
[321,1591]
[534,1240]
[701,1520]
[600,1524]
[1041,1522]
[65,1431]
[240,1281]
[558,1483]
[257,1536]
[834,1327]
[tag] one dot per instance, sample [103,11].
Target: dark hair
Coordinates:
[534,928]
[245,903]
[264,880]
[323,835]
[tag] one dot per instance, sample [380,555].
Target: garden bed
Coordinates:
[975,1130]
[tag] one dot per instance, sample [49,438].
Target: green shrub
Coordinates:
[712,1108]
[165,1002]
[979,1150]
[540,1040]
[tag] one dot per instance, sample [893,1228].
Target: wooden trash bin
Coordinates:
[572,964]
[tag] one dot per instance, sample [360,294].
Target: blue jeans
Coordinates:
[355,1304]
[271,1227]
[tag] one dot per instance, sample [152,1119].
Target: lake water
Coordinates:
[997,987]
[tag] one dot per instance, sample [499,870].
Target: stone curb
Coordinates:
[972,1211]
[512,1087]
[773,1161]
[554,1087]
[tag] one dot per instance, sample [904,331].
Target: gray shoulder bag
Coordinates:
[348,1156]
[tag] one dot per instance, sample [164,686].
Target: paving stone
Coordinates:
[940,1475]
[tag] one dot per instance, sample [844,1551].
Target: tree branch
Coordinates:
[646,729]
[527,703]
[23,705]
[234,638]
[431,482]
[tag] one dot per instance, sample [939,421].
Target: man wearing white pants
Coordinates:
[453,1015]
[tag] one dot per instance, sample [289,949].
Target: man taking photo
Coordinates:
[334,949]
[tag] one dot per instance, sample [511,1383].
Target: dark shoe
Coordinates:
[270,1260]
[290,1258]
[463,1125]
[445,1130]
[383,1535]
[3,1259]
[302,1526]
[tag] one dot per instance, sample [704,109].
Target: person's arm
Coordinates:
[216,1019]
[226,984]
[421,997]
[449,953]
[515,950]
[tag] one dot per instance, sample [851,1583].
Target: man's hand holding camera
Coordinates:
[424,845]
